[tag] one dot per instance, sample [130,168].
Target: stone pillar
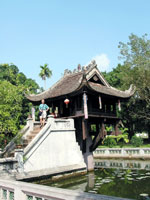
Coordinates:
[18,193]
[50,116]
[116,128]
[30,123]
[19,157]
[88,156]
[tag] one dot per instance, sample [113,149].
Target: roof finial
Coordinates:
[93,62]
[79,67]
[84,68]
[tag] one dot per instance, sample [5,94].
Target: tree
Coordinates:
[136,57]
[10,109]
[116,77]
[45,73]
[14,107]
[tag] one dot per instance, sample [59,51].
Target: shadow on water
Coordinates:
[126,179]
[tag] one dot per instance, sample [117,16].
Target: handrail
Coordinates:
[11,145]
[22,191]
[36,139]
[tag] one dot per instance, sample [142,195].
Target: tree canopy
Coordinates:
[135,69]
[14,107]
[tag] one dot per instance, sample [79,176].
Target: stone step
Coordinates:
[30,137]
[33,133]
[36,129]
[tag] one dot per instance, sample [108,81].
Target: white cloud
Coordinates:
[102,62]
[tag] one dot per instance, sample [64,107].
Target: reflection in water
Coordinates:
[91,180]
[122,164]
[126,179]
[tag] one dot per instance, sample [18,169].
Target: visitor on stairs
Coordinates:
[43,108]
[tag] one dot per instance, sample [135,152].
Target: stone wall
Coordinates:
[55,146]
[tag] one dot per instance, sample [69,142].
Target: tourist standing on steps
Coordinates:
[43,108]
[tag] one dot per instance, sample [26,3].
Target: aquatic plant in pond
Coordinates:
[127,183]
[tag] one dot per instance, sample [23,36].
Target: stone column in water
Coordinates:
[88,156]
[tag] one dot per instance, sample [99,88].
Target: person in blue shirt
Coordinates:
[43,108]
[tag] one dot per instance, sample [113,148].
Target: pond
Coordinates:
[120,178]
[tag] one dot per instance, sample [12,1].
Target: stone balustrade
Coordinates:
[14,190]
[122,152]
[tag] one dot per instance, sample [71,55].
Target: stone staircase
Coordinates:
[31,135]
[25,140]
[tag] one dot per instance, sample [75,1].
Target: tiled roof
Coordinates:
[112,91]
[64,86]
[72,82]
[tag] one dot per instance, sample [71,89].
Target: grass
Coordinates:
[126,146]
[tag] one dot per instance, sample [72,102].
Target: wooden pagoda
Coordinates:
[87,97]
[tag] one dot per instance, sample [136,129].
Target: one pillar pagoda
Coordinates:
[87,97]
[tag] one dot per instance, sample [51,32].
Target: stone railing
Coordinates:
[122,152]
[11,166]
[11,145]
[8,166]
[14,190]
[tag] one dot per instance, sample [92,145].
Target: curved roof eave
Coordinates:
[50,93]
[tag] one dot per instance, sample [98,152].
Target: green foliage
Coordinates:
[110,142]
[116,77]
[119,139]
[14,107]
[18,139]
[136,141]
[10,107]
[93,127]
[123,137]
[134,70]
[136,54]
[108,128]
[124,130]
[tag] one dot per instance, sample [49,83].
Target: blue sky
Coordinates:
[64,33]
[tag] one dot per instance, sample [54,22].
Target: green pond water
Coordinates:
[120,178]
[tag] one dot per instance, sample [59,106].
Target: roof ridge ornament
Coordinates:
[80,68]
[67,72]
[91,65]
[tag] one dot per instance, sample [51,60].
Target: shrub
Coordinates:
[136,141]
[110,142]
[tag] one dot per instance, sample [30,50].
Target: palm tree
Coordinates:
[45,73]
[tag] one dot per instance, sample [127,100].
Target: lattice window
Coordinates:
[29,197]
[4,194]
[11,195]
[37,198]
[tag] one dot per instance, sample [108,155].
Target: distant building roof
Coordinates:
[74,81]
